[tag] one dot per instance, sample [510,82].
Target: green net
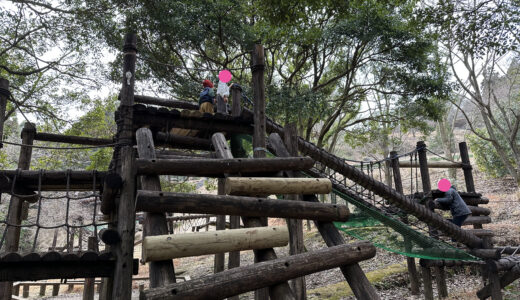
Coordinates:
[386,232]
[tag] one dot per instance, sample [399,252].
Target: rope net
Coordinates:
[49,216]
[376,220]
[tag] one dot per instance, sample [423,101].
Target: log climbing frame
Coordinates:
[132,185]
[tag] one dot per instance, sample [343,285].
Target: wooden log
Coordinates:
[427,281]
[171,103]
[112,185]
[413,276]
[161,271]
[486,253]
[110,236]
[88,286]
[50,180]
[236,97]
[468,175]
[210,124]
[55,289]
[353,273]
[296,245]
[280,290]
[431,164]
[122,276]
[238,205]
[481,232]
[406,204]
[163,247]
[169,152]
[217,167]
[477,220]
[4,95]
[71,139]
[503,264]
[243,279]
[479,211]
[43,288]
[220,224]
[446,263]
[221,105]
[506,279]
[269,186]
[25,290]
[12,235]
[182,142]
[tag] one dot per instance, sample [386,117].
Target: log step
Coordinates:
[165,247]
[472,220]
[160,202]
[243,279]
[277,186]
[217,167]
[479,211]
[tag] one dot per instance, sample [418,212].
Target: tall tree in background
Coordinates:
[481,43]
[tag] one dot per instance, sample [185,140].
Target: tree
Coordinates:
[480,41]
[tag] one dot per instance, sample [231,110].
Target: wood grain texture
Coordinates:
[276,185]
[163,247]
[243,279]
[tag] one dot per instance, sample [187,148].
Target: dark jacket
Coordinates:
[207,95]
[453,200]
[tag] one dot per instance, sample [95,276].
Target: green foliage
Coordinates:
[210,184]
[98,122]
[177,187]
[486,155]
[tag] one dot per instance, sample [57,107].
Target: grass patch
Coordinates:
[341,289]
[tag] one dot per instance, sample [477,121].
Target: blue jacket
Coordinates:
[207,95]
[453,200]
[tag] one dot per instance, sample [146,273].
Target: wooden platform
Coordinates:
[55,265]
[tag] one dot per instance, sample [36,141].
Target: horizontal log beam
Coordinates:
[503,264]
[486,253]
[276,185]
[28,270]
[217,167]
[446,263]
[242,279]
[169,152]
[431,164]
[71,139]
[51,180]
[171,103]
[210,124]
[150,201]
[166,247]
[479,211]
[472,220]
[182,142]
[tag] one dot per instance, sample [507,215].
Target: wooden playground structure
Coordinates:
[299,171]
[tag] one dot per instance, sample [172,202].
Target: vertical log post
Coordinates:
[4,95]
[278,291]
[122,282]
[295,226]
[55,289]
[25,292]
[356,278]
[488,275]
[415,284]
[257,70]
[220,225]
[221,105]
[88,286]
[43,287]
[161,272]
[12,236]
[440,277]
[234,221]
[236,95]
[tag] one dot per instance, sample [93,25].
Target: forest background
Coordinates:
[357,77]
